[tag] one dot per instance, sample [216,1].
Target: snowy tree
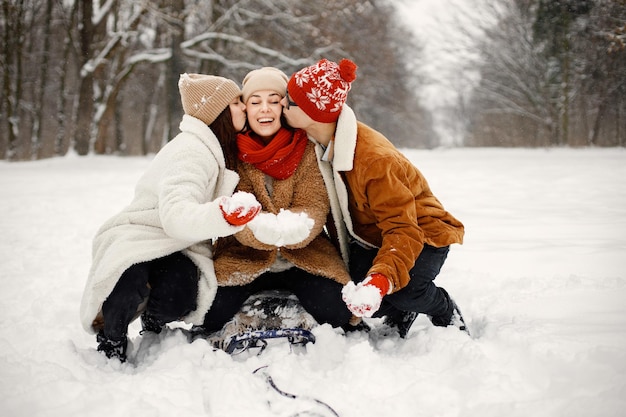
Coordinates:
[552,75]
[511,105]
[102,74]
[602,104]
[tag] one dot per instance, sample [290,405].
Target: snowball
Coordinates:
[241,201]
[363,300]
[265,228]
[285,228]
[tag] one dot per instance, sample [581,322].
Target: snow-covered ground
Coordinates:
[541,280]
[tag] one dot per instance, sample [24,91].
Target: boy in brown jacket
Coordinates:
[395,232]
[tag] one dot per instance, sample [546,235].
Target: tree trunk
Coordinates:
[6,108]
[12,88]
[175,68]
[41,87]
[62,141]
[84,103]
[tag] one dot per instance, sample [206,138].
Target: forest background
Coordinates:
[100,77]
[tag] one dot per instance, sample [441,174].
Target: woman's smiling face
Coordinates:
[264,110]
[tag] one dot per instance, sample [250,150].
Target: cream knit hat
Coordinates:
[206,96]
[266,78]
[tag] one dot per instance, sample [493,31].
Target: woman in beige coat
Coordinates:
[286,246]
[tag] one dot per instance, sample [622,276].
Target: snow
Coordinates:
[282,229]
[540,279]
[240,203]
[362,300]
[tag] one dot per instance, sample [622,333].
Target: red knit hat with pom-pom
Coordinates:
[321,89]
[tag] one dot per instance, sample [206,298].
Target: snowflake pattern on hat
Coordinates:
[325,86]
[318,98]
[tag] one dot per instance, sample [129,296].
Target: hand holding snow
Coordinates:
[362,300]
[240,208]
[295,227]
[265,228]
[284,228]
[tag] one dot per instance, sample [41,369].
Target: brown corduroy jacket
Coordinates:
[241,258]
[393,207]
[382,200]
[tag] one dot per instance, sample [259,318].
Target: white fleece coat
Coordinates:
[175,208]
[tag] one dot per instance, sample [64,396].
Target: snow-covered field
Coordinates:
[541,280]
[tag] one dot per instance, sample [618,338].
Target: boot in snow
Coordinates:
[401,320]
[452,317]
[356,326]
[149,323]
[112,348]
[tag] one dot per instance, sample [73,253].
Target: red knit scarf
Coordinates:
[279,158]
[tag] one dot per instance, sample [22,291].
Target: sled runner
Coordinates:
[258,339]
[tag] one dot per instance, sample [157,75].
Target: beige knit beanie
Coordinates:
[266,78]
[206,96]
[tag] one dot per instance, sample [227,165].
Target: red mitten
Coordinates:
[379,281]
[240,208]
[364,298]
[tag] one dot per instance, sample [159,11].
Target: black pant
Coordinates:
[319,296]
[420,294]
[170,284]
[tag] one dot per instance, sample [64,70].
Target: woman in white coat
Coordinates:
[152,259]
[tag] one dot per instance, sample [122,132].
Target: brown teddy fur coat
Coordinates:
[241,258]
